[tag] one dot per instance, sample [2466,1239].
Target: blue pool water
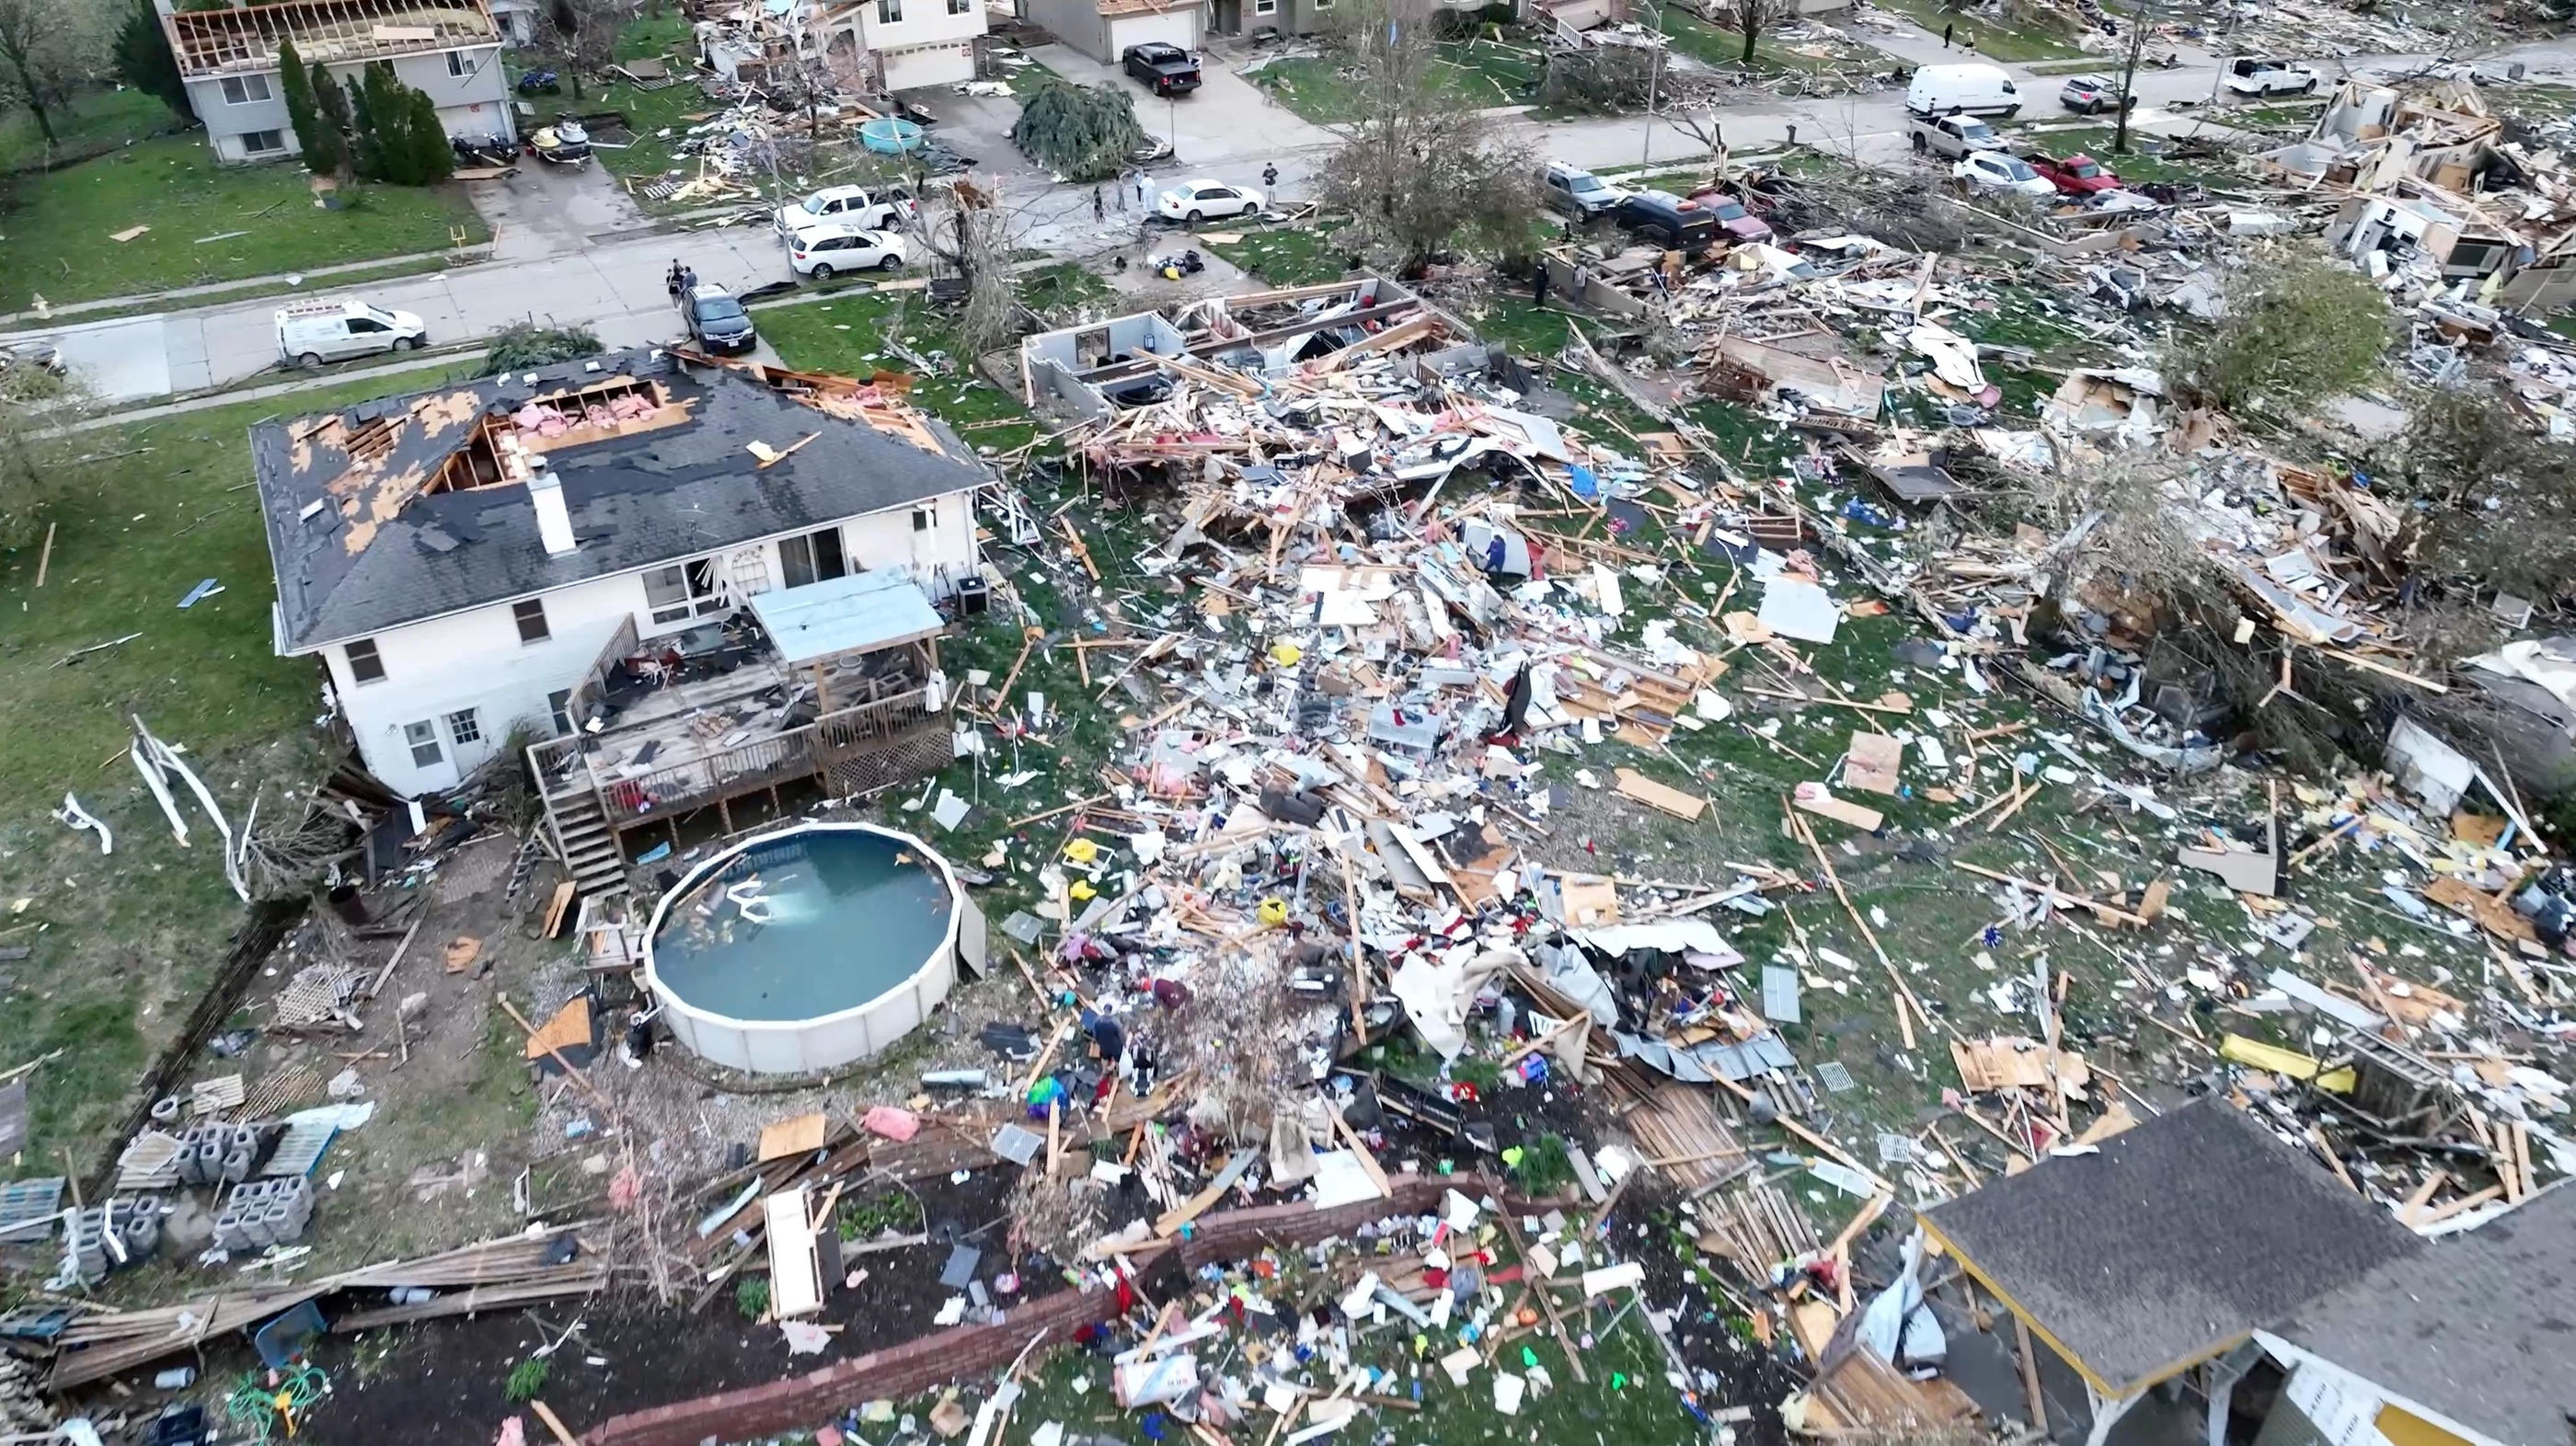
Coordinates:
[806,924]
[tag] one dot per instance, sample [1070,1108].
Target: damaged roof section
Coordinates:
[393,511]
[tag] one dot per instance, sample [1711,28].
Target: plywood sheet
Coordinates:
[1637,786]
[802,1135]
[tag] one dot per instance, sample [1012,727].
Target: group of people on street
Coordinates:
[678,280]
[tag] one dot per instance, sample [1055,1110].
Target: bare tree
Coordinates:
[1419,169]
[1751,18]
[49,49]
[582,34]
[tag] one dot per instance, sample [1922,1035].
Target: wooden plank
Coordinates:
[555,910]
[1825,805]
[802,1135]
[554,1424]
[1637,786]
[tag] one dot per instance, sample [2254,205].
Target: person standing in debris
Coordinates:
[1581,281]
[1140,188]
[1538,284]
[1099,209]
[1946,28]
[1122,193]
[1270,182]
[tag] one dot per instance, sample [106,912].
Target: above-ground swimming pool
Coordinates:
[808,948]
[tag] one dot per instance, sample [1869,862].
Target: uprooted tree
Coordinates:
[2297,330]
[1600,79]
[1079,132]
[2499,498]
[1421,172]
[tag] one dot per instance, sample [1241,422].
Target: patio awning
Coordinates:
[860,613]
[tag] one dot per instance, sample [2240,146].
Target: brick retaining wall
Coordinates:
[915,1367]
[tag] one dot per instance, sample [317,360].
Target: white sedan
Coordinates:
[1195,201]
[828,250]
[1995,171]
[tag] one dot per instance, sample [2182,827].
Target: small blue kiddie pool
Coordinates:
[888,136]
[808,948]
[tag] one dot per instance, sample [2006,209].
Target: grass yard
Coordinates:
[1480,72]
[1720,48]
[1285,255]
[2139,164]
[99,121]
[55,228]
[850,333]
[124,945]
[2016,40]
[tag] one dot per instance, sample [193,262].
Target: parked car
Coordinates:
[2251,75]
[1738,223]
[1196,201]
[1162,67]
[1995,171]
[2077,175]
[2093,94]
[1975,89]
[44,356]
[313,332]
[1577,192]
[1679,224]
[832,248]
[873,208]
[1953,136]
[715,319]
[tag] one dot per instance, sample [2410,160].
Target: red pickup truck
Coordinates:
[2077,175]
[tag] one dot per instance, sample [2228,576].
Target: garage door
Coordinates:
[1177,26]
[949,62]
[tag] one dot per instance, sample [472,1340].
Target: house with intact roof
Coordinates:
[695,584]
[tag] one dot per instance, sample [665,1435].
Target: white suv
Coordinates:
[829,250]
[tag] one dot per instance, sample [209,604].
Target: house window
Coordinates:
[815,557]
[530,615]
[889,12]
[1265,7]
[245,90]
[457,65]
[366,665]
[464,727]
[559,704]
[924,518]
[960,7]
[423,738]
[682,590]
[260,143]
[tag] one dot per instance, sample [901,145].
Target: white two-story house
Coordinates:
[897,45]
[598,551]
[449,50]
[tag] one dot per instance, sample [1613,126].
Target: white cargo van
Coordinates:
[1970,89]
[313,332]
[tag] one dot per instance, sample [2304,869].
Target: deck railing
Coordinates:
[731,772]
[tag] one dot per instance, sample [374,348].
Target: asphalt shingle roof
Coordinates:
[2175,1239]
[380,553]
[2480,1326]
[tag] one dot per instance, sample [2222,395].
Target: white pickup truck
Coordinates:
[2248,75]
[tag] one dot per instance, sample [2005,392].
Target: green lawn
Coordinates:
[125,944]
[97,121]
[1723,49]
[1480,72]
[2137,165]
[1994,40]
[849,334]
[55,229]
[1285,256]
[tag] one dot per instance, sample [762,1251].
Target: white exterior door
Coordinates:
[1177,26]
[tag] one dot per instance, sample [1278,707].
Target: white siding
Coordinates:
[474,659]
[2345,1407]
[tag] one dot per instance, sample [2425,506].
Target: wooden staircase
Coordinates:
[589,846]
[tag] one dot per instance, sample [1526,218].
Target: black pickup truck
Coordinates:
[1164,68]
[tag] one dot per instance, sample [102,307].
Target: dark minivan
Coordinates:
[1680,225]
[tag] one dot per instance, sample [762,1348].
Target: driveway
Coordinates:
[552,211]
[1228,120]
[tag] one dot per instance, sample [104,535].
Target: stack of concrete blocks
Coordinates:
[217,1154]
[262,1213]
[88,1252]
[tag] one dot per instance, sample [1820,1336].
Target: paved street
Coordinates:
[573,250]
